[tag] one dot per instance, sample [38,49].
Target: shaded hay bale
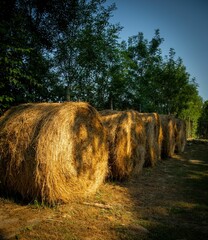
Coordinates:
[180,135]
[52,152]
[169,135]
[126,137]
[154,138]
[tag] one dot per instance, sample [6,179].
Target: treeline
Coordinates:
[68,50]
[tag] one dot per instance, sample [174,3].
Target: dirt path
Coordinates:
[169,201]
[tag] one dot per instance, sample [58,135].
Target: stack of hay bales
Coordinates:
[154,138]
[52,152]
[180,135]
[169,135]
[126,137]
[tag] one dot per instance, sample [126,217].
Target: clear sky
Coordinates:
[183,24]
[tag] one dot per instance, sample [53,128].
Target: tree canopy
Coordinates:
[69,50]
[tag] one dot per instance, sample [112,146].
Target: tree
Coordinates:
[173,85]
[192,112]
[203,121]
[69,50]
[11,53]
[28,30]
[142,60]
[22,63]
[153,83]
[86,51]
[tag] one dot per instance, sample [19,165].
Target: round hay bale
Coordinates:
[126,136]
[169,135]
[52,152]
[180,135]
[153,138]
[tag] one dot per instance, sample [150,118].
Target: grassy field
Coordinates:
[167,202]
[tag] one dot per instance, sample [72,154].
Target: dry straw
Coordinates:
[169,135]
[52,152]
[126,136]
[153,138]
[180,135]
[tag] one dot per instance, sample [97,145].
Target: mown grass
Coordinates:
[187,209]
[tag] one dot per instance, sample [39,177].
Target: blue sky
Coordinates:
[183,24]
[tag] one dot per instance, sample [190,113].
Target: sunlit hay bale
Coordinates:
[169,135]
[126,137]
[52,152]
[180,135]
[153,138]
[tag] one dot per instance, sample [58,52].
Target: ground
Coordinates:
[167,202]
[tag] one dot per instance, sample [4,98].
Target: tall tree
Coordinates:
[28,30]
[12,53]
[21,58]
[174,85]
[86,51]
[143,59]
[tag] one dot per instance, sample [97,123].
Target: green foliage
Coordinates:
[69,50]
[174,86]
[191,113]
[86,53]
[202,129]
[154,83]
[204,115]
[21,55]
[13,79]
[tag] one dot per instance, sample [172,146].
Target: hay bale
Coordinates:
[107,112]
[153,138]
[126,136]
[180,135]
[52,152]
[160,136]
[169,135]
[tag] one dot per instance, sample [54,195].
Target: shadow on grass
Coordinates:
[171,200]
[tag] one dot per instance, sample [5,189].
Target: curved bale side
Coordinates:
[126,137]
[154,137]
[169,135]
[52,152]
[180,135]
